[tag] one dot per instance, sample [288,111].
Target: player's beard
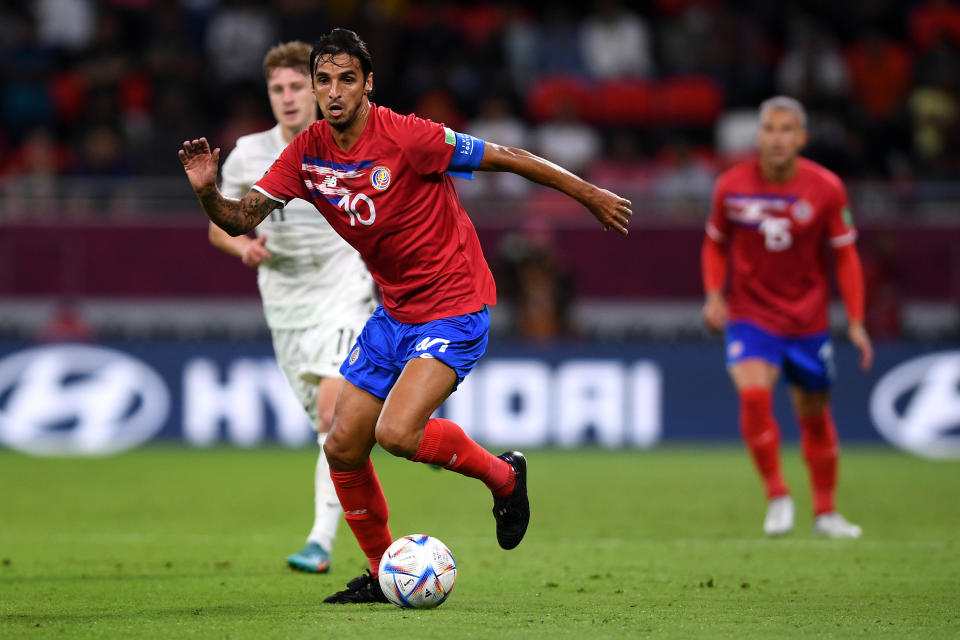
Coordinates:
[346,120]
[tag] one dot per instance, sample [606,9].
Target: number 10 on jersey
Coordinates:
[351,208]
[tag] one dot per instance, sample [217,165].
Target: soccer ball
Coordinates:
[417,572]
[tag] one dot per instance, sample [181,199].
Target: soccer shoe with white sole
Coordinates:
[834,525]
[361,589]
[513,512]
[313,558]
[779,520]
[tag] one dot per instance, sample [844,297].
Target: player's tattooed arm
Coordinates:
[236,217]
[612,211]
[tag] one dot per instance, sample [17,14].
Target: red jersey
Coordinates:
[775,233]
[389,198]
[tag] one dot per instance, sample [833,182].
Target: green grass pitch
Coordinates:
[179,543]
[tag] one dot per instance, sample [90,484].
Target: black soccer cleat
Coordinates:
[513,512]
[362,589]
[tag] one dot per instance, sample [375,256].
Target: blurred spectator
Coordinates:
[301,19]
[102,159]
[25,66]
[521,46]
[238,36]
[497,123]
[934,22]
[437,105]
[566,140]
[29,175]
[245,116]
[537,287]
[935,112]
[684,39]
[685,180]
[175,120]
[739,55]
[67,24]
[102,154]
[812,70]
[880,74]
[38,155]
[615,43]
[558,53]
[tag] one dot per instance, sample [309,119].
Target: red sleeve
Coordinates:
[713,265]
[850,281]
[282,181]
[428,146]
[717,224]
[840,229]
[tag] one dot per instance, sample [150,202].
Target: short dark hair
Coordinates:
[341,41]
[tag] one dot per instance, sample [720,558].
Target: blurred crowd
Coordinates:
[647,97]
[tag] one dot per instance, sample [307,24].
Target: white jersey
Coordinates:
[313,271]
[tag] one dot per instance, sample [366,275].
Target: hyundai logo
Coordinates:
[916,405]
[78,400]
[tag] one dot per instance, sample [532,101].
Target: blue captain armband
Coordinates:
[467,153]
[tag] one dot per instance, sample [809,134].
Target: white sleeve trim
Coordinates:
[274,198]
[841,241]
[715,234]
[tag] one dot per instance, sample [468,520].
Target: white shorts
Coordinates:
[306,356]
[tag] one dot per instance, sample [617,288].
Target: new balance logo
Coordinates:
[428,343]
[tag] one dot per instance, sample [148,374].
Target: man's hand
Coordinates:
[715,312]
[611,210]
[255,252]
[861,340]
[200,164]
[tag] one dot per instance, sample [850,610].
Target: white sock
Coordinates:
[326,504]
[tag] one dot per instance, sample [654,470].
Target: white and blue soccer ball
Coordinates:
[417,572]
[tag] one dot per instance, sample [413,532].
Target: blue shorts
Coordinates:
[385,346]
[806,362]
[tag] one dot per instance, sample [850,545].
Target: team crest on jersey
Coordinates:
[802,211]
[380,177]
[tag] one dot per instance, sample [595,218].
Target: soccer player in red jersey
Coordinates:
[382,181]
[769,222]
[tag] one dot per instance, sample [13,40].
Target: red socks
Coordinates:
[365,510]
[762,437]
[818,440]
[446,445]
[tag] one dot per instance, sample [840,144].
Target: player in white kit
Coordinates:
[317,293]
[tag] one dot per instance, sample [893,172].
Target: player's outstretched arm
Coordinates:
[611,210]
[236,217]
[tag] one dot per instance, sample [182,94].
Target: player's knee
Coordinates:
[340,456]
[396,439]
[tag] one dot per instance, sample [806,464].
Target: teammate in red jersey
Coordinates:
[769,221]
[382,181]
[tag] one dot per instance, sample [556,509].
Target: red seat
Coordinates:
[542,98]
[687,101]
[625,102]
